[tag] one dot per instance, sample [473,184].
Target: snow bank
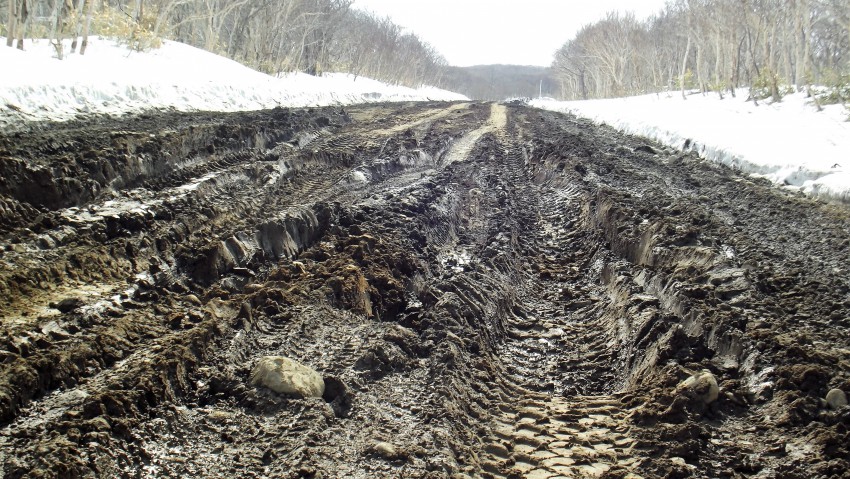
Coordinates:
[790,142]
[111,79]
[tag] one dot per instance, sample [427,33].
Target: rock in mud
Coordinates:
[67,305]
[387,451]
[286,376]
[836,399]
[701,386]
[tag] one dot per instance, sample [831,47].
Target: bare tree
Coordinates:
[11,19]
[723,43]
[56,27]
[90,5]
[78,24]
[274,36]
[22,17]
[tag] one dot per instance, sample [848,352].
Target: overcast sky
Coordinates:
[480,32]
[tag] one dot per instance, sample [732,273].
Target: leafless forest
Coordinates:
[713,45]
[270,35]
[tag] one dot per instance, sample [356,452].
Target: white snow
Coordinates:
[789,142]
[111,79]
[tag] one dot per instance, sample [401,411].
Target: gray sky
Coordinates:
[522,32]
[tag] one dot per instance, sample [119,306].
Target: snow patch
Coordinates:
[789,143]
[110,79]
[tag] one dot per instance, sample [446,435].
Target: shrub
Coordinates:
[836,89]
[115,24]
[767,85]
[688,80]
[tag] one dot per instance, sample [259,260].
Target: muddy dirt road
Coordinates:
[487,290]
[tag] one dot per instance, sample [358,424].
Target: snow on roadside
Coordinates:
[790,142]
[111,79]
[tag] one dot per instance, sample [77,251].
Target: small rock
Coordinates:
[702,386]
[286,376]
[67,305]
[836,398]
[193,299]
[46,242]
[386,450]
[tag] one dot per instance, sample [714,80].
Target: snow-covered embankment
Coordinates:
[111,79]
[790,143]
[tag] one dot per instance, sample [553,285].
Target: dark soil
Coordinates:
[487,290]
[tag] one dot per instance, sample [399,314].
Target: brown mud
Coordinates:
[487,290]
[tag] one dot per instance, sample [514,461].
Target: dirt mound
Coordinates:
[485,290]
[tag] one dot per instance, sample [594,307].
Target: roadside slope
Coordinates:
[111,79]
[789,143]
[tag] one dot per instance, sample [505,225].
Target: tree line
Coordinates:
[498,82]
[273,36]
[770,46]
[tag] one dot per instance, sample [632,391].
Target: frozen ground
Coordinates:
[111,79]
[790,142]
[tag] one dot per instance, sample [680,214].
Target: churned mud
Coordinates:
[487,290]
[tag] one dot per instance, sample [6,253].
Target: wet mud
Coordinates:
[487,290]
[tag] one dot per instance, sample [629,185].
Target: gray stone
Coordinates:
[386,450]
[836,398]
[702,386]
[286,376]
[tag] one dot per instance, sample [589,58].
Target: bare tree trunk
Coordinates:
[78,27]
[803,31]
[23,18]
[11,23]
[582,85]
[685,65]
[740,62]
[138,11]
[814,97]
[700,80]
[85,43]
[717,64]
[137,18]
[772,71]
[55,31]
[807,57]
